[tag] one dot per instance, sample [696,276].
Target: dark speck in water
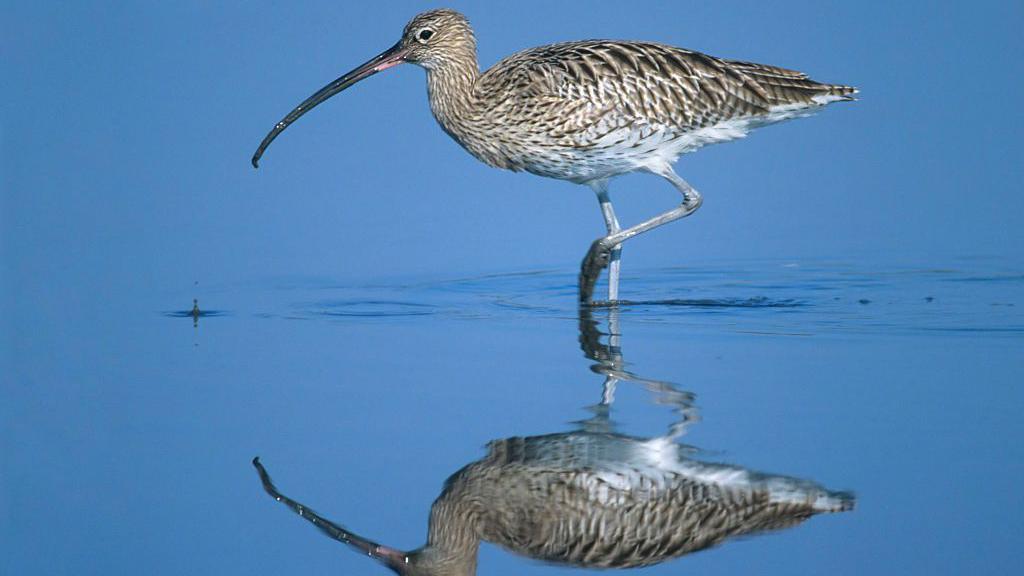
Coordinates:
[194,313]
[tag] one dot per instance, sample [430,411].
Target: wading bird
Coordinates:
[594,497]
[588,111]
[590,498]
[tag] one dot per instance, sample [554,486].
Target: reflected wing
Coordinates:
[609,501]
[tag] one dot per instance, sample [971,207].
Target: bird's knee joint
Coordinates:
[602,245]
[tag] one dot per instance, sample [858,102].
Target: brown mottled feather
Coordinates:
[577,82]
[589,110]
[549,498]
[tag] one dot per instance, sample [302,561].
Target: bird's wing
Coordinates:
[582,84]
[612,501]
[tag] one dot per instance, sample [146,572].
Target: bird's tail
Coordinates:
[839,91]
[785,87]
[834,502]
[783,489]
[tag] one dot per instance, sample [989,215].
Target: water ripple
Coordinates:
[190,314]
[768,297]
[373,308]
[753,302]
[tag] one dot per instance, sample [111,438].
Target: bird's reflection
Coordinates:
[609,363]
[593,497]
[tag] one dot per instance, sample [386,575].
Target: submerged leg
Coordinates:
[388,556]
[600,254]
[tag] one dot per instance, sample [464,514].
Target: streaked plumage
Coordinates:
[591,499]
[612,501]
[594,497]
[588,111]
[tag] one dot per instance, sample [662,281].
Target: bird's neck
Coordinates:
[453,539]
[442,562]
[450,90]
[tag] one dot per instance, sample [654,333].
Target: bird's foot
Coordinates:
[594,262]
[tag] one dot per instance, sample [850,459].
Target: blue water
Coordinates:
[797,298]
[348,335]
[129,448]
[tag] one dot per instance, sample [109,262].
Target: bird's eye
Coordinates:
[425,35]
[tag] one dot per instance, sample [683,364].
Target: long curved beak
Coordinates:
[390,557]
[391,57]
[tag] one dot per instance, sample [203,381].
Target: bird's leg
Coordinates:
[614,346]
[614,260]
[609,361]
[600,253]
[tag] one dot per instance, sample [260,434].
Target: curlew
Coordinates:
[589,498]
[588,111]
[594,497]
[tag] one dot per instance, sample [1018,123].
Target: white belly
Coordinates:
[642,146]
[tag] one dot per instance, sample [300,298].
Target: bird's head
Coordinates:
[433,38]
[430,40]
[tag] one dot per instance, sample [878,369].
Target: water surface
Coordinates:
[136,422]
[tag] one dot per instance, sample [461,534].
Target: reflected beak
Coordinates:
[397,560]
[391,57]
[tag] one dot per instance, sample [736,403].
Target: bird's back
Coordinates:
[612,102]
[606,500]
